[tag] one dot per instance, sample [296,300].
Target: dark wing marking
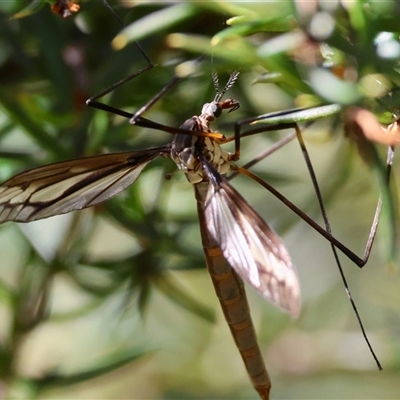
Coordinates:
[71,185]
[250,246]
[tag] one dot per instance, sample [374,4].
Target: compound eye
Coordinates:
[217,110]
[212,110]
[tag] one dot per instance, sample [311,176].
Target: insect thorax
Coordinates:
[186,151]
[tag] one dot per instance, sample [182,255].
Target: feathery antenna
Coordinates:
[231,81]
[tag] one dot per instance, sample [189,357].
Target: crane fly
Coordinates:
[238,245]
[232,232]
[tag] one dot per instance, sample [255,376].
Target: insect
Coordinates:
[238,244]
[231,230]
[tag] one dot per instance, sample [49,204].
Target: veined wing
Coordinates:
[71,185]
[250,246]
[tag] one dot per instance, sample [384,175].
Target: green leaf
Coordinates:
[109,364]
[32,8]
[154,23]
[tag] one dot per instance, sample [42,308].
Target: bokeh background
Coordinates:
[115,302]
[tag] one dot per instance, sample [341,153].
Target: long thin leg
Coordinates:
[92,101]
[266,153]
[136,118]
[375,221]
[133,118]
[334,243]
[105,2]
[360,262]
[327,233]
[370,240]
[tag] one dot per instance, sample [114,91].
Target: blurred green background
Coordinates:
[115,302]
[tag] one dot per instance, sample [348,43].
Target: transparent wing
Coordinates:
[250,246]
[71,185]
